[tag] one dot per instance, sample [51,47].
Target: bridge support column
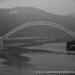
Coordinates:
[1,43]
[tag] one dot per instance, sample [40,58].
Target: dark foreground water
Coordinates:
[42,63]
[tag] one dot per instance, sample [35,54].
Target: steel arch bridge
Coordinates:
[61,27]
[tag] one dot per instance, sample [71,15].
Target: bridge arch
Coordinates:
[63,28]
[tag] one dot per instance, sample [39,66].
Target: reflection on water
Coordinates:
[12,63]
[23,61]
[50,60]
[13,59]
[59,47]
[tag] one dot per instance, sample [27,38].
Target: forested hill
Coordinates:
[10,18]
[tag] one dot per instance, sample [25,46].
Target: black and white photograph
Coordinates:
[37,37]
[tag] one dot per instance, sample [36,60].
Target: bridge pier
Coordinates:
[1,43]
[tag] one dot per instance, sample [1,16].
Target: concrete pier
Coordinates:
[1,43]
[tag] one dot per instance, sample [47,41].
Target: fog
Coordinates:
[60,7]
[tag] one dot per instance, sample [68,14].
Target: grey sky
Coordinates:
[61,7]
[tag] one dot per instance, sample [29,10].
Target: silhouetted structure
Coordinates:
[70,45]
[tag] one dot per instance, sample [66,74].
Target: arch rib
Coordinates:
[63,28]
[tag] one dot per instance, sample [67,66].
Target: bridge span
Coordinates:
[61,27]
[46,23]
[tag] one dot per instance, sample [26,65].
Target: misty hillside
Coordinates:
[10,18]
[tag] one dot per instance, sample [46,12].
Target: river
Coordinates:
[47,61]
[50,61]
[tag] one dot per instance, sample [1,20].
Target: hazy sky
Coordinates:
[61,7]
